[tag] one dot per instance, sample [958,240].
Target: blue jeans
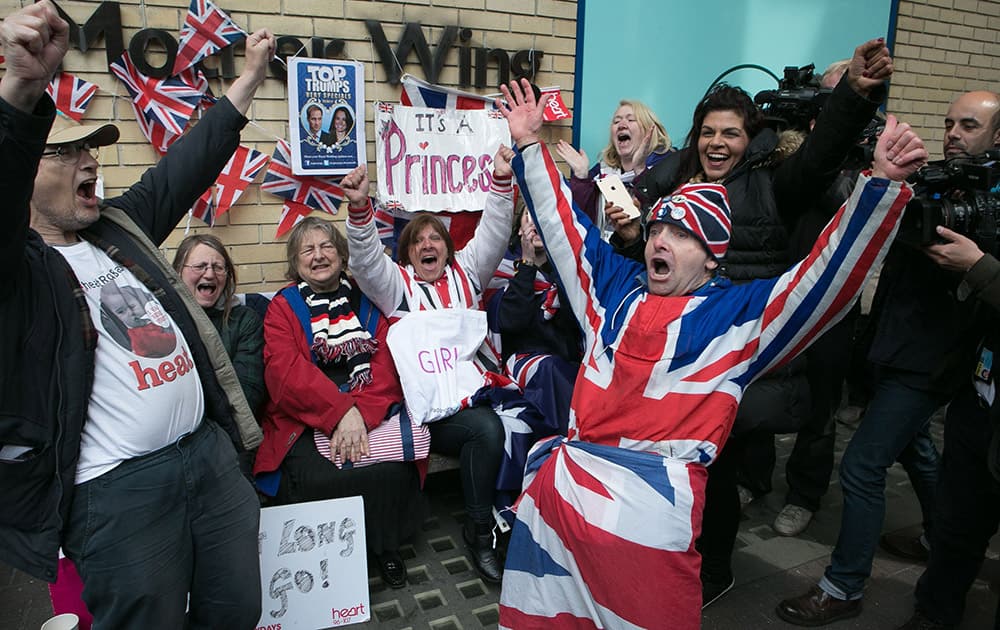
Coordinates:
[179,520]
[894,427]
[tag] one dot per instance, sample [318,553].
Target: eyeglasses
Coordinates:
[70,153]
[220,270]
[326,247]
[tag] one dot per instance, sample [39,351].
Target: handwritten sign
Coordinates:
[313,565]
[436,160]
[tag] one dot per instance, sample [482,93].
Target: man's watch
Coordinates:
[524,263]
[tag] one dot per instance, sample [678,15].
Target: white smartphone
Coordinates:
[615,192]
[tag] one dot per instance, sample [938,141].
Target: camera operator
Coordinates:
[967,511]
[769,180]
[922,336]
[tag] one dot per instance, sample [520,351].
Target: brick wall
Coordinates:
[943,48]
[248,228]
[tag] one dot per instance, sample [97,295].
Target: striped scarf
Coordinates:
[337,333]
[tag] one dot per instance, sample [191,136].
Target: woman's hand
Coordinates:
[501,162]
[355,185]
[350,438]
[578,163]
[899,152]
[628,229]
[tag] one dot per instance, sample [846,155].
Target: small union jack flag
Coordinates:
[239,172]
[291,214]
[204,207]
[168,102]
[419,93]
[71,94]
[318,193]
[207,30]
[157,134]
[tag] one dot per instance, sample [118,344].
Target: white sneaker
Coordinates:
[792,520]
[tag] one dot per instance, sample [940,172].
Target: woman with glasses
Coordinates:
[207,271]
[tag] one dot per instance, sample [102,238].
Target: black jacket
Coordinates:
[48,340]
[522,323]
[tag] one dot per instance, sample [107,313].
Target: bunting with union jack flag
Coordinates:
[204,207]
[318,193]
[168,102]
[291,214]
[207,30]
[71,94]
[238,173]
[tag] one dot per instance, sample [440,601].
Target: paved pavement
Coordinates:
[445,593]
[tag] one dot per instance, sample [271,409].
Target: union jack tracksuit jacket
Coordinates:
[606,525]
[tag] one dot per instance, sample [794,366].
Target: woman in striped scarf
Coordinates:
[331,381]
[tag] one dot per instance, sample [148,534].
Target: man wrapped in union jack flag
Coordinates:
[606,526]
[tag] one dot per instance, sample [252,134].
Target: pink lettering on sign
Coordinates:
[438,361]
[436,174]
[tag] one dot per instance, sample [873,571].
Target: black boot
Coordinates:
[479,541]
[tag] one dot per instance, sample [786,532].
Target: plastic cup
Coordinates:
[65,621]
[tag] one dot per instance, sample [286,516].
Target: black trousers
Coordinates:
[967,514]
[476,436]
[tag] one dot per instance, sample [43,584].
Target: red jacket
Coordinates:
[302,398]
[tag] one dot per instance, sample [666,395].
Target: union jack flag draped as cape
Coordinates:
[318,193]
[207,30]
[606,526]
[71,94]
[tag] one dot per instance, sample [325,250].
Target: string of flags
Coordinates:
[163,109]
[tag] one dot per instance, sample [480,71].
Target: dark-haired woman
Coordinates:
[431,277]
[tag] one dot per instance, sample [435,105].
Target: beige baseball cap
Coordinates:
[66,131]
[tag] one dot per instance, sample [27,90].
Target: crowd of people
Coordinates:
[146,415]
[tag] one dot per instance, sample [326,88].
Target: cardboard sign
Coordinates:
[313,565]
[326,115]
[436,160]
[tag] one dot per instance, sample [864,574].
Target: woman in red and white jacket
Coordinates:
[431,275]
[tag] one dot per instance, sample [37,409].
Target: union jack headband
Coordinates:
[702,210]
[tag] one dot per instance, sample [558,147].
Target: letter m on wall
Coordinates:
[106,20]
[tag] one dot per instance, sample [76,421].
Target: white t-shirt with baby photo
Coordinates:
[146,392]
